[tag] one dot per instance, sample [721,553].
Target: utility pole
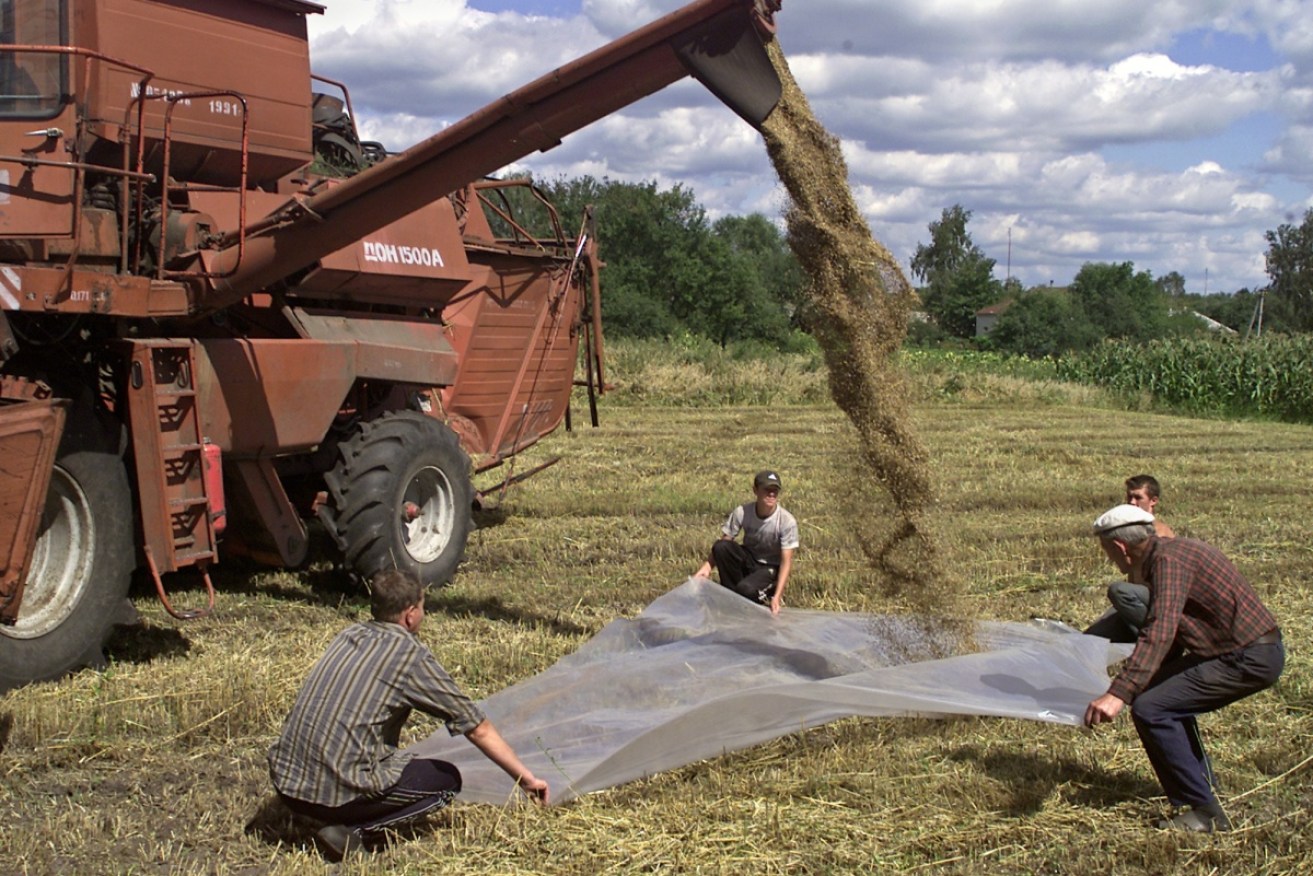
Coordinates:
[1256,321]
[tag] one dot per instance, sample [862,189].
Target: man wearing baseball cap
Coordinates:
[759,568]
[1207,641]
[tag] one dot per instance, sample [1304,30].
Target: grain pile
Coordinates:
[859,300]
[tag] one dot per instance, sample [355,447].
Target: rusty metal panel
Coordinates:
[52,290]
[387,348]
[258,50]
[36,199]
[418,260]
[280,539]
[29,439]
[518,354]
[267,397]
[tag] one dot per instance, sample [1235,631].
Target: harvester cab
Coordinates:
[223,315]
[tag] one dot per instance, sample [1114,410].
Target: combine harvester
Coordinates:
[221,314]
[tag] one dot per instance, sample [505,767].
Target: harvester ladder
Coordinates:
[169,451]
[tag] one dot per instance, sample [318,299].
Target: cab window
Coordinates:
[32,84]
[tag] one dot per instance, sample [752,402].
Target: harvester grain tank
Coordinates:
[222,315]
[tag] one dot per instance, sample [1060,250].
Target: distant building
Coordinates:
[987,317]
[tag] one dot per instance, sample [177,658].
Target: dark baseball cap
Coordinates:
[767,478]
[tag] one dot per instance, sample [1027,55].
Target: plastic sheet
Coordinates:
[703,671]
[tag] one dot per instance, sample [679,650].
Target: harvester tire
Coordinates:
[81,569]
[400,497]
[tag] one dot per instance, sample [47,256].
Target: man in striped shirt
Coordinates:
[338,758]
[1207,641]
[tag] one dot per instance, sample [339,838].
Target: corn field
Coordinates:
[1269,377]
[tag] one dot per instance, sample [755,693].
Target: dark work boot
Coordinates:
[337,841]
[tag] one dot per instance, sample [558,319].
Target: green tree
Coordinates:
[1290,268]
[958,277]
[1172,284]
[776,294]
[949,248]
[654,243]
[1121,302]
[670,270]
[1043,322]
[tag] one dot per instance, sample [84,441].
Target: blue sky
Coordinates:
[1171,134]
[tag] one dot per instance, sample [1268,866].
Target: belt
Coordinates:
[1272,638]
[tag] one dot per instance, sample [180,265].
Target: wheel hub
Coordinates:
[427,514]
[61,560]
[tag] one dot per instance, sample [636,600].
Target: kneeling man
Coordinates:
[338,759]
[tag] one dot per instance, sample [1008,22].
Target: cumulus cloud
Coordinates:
[1072,125]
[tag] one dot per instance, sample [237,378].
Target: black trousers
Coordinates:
[425,786]
[1164,713]
[739,571]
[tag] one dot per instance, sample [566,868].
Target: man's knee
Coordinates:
[1131,601]
[426,775]
[1124,594]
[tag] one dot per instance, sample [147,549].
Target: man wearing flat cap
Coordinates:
[1130,598]
[757,569]
[1207,641]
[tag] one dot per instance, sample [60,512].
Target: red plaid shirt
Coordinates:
[1200,601]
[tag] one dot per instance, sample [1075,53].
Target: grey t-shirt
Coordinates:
[765,538]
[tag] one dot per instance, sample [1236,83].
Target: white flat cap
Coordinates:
[1119,516]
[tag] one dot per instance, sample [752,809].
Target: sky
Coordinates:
[1172,134]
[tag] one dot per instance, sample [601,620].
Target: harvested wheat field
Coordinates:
[156,765]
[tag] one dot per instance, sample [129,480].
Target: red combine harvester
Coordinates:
[221,314]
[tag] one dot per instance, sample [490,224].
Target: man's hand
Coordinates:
[536,788]
[776,603]
[703,572]
[1103,710]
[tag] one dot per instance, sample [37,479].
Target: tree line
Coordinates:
[1104,301]
[671,271]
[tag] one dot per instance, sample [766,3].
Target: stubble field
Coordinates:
[156,765]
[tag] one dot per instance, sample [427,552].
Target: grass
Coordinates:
[156,764]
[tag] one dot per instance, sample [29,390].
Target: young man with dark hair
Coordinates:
[1130,598]
[758,569]
[1208,641]
[338,759]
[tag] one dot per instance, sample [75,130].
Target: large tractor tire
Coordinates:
[400,497]
[81,568]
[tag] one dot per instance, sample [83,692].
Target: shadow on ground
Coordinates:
[492,608]
[1031,780]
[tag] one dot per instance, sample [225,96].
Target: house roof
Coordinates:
[994,309]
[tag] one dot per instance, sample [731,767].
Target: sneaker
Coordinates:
[1197,821]
[337,841]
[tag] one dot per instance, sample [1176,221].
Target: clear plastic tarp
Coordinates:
[703,671]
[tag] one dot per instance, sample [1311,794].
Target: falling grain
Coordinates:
[859,300]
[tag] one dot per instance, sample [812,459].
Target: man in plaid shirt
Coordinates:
[1207,642]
